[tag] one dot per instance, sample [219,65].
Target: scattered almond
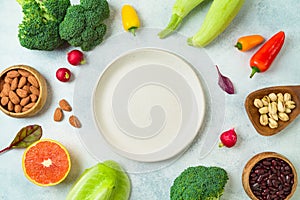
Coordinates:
[58,115]
[64,105]
[74,121]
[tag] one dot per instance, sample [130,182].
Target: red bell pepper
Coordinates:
[263,58]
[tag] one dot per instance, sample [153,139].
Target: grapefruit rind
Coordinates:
[51,183]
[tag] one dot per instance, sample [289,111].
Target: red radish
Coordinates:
[228,138]
[76,57]
[63,74]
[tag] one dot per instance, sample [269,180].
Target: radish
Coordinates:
[75,57]
[228,138]
[63,74]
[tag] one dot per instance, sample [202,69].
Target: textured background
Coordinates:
[256,17]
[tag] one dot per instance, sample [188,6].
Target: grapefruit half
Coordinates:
[46,162]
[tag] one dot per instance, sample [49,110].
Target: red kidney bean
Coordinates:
[271,179]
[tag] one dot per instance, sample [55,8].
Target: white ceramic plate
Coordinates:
[149,104]
[101,63]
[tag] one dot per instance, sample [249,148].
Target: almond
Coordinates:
[33,97]
[27,88]
[12,74]
[25,101]
[24,72]
[4,101]
[74,121]
[64,105]
[30,105]
[24,109]
[34,90]
[6,89]
[18,108]
[22,82]
[14,84]
[8,80]
[22,93]
[58,115]
[1,84]
[32,80]
[10,106]
[14,98]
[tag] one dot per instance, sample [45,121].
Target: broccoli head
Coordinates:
[83,24]
[199,183]
[40,25]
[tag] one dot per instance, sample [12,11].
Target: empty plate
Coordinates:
[149,104]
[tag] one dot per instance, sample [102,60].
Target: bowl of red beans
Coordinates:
[269,176]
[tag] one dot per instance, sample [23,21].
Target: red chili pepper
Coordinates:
[263,58]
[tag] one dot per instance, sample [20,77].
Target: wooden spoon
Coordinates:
[254,115]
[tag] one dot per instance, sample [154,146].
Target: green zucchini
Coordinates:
[218,17]
[181,8]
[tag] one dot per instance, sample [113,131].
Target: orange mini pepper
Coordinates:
[130,19]
[248,42]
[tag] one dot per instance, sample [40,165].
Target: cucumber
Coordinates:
[218,17]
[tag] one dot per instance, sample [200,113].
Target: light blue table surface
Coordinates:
[265,17]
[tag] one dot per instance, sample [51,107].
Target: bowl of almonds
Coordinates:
[269,175]
[23,91]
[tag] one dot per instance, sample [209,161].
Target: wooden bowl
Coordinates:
[39,102]
[251,164]
[254,115]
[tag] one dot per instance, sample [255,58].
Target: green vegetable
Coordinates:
[40,25]
[104,181]
[219,16]
[205,183]
[25,137]
[180,9]
[83,24]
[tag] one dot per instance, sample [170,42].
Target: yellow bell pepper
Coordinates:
[130,19]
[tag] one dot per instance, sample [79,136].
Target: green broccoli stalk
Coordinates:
[181,8]
[205,183]
[83,24]
[40,25]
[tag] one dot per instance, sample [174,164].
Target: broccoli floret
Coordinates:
[40,25]
[199,183]
[83,24]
